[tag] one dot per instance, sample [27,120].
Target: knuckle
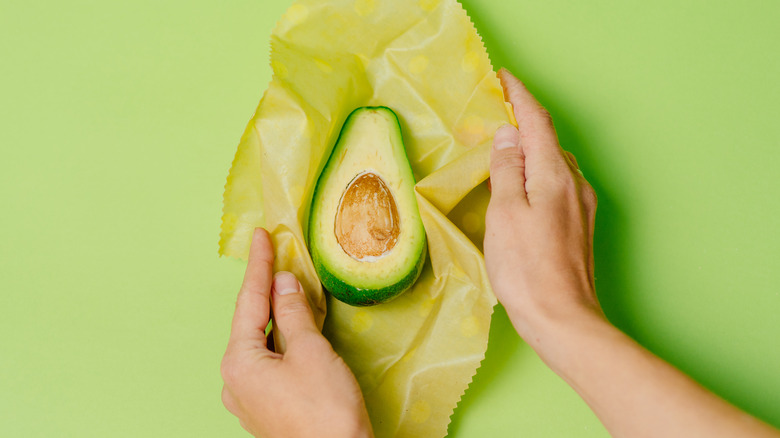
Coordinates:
[292,308]
[543,116]
[502,205]
[561,182]
[500,214]
[507,161]
[313,343]
[589,196]
[515,90]
[229,370]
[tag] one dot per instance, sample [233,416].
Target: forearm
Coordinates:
[633,392]
[539,256]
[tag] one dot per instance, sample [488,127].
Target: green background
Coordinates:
[119,121]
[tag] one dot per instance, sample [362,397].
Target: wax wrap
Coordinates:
[415,356]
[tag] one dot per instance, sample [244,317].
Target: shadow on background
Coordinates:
[611,235]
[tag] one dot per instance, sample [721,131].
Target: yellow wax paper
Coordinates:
[415,356]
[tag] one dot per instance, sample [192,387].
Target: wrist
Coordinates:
[554,330]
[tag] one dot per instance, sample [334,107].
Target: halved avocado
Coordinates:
[366,237]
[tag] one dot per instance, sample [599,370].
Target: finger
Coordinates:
[292,314]
[543,155]
[591,204]
[591,256]
[253,305]
[572,160]
[507,165]
[588,194]
[533,120]
[589,201]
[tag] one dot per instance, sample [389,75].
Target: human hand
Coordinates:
[309,390]
[539,223]
[539,257]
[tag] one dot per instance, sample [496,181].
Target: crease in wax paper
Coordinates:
[415,356]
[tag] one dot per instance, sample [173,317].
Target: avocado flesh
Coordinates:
[366,237]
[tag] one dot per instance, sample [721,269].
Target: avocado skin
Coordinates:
[366,297]
[339,288]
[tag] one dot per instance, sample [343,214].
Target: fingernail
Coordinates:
[285,283]
[506,137]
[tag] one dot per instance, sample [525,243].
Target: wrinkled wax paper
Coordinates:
[415,356]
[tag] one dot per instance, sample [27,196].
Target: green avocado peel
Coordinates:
[366,236]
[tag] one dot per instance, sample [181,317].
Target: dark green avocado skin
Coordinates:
[340,288]
[354,296]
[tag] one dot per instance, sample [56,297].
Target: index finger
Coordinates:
[543,155]
[253,304]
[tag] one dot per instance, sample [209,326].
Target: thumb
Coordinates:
[291,310]
[507,165]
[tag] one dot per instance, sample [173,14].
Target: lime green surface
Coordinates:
[118,123]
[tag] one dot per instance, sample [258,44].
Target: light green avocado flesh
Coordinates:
[366,237]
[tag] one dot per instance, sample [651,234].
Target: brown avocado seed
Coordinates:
[367,222]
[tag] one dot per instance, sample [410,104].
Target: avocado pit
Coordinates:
[367,222]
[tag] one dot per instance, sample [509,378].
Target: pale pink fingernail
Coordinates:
[285,283]
[506,137]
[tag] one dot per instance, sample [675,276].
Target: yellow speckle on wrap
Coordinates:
[324,66]
[414,356]
[229,221]
[420,411]
[429,5]
[296,14]
[469,326]
[471,129]
[365,7]
[418,64]
[361,321]
[471,61]
[280,70]
[425,307]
